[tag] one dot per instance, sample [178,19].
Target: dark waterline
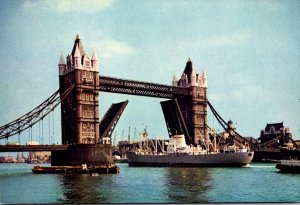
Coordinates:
[257,183]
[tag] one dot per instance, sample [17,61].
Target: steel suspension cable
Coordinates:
[42,130]
[30,133]
[35,115]
[53,127]
[49,128]
[39,132]
[222,122]
[19,137]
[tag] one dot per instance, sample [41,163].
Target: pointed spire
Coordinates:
[188,68]
[204,78]
[94,55]
[95,61]
[62,65]
[77,58]
[80,46]
[193,77]
[174,78]
[174,81]
[62,60]
[204,73]
[77,52]
[193,72]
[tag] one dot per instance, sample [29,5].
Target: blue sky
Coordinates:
[250,50]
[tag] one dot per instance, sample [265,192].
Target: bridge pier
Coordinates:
[90,154]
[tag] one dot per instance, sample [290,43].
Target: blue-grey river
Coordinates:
[257,183]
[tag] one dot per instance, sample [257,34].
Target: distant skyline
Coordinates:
[249,49]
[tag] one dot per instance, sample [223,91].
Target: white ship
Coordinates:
[180,154]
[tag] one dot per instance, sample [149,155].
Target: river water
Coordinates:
[257,183]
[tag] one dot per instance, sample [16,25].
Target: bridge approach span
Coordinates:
[28,148]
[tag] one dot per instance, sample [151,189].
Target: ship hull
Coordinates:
[236,159]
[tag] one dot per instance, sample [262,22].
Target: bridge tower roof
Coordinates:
[77,53]
[189,69]
[80,46]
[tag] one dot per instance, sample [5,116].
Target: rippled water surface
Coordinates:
[257,183]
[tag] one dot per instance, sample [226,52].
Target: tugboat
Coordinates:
[183,155]
[83,169]
[49,170]
[290,162]
[289,166]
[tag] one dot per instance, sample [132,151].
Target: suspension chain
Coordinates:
[34,116]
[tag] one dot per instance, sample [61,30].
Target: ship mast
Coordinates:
[215,140]
[114,142]
[129,135]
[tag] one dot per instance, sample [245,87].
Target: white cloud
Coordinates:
[230,39]
[243,89]
[88,6]
[110,48]
[271,5]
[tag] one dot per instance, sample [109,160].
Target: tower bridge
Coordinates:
[83,134]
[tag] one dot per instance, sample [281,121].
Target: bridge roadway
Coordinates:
[28,148]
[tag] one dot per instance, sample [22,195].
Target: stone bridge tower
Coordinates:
[80,110]
[194,107]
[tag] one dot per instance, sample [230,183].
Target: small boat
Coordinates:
[122,160]
[289,166]
[119,159]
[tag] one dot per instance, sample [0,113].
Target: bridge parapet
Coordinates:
[131,87]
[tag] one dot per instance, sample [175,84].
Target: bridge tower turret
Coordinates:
[80,110]
[174,81]
[62,65]
[194,107]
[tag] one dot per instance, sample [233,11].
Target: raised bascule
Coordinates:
[84,136]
